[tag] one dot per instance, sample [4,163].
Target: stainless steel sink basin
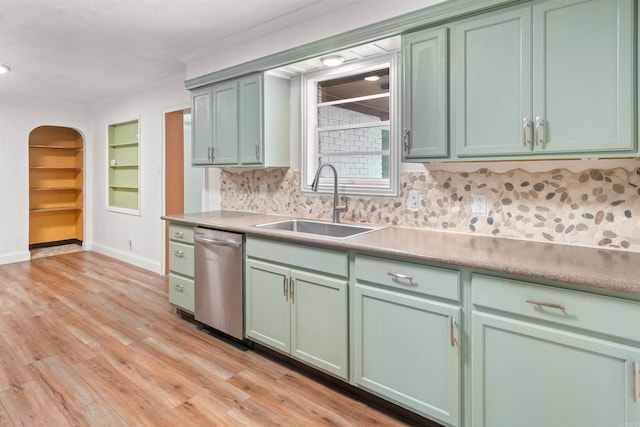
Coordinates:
[318,228]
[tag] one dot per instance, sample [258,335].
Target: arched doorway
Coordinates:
[56,169]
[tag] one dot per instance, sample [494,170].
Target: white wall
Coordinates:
[112,231]
[18,117]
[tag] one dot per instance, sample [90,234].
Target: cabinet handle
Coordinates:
[452,332]
[258,150]
[284,287]
[178,234]
[213,153]
[636,385]
[179,287]
[179,254]
[525,132]
[547,304]
[291,284]
[539,130]
[399,276]
[405,138]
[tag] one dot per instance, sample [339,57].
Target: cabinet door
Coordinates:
[267,304]
[250,116]
[583,75]
[407,350]
[319,322]
[225,123]
[424,90]
[202,128]
[529,375]
[492,84]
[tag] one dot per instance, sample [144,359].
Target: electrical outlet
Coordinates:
[413,200]
[478,204]
[262,192]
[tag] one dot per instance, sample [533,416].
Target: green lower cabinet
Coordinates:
[267,312]
[407,351]
[299,313]
[527,374]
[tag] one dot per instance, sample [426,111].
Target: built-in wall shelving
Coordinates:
[123,192]
[56,167]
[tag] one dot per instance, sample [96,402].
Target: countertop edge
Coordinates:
[374,243]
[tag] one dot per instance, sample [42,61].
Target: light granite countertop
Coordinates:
[611,271]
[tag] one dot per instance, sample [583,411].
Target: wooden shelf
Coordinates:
[65,208]
[55,168]
[51,147]
[55,188]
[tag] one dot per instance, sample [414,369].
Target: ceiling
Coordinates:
[86,51]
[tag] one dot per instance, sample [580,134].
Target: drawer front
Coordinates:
[323,260]
[181,258]
[181,233]
[422,279]
[181,292]
[607,315]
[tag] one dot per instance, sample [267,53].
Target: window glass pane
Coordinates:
[365,111]
[358,166]
[354,86]
[375,138]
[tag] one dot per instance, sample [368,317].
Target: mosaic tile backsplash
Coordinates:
[596,207]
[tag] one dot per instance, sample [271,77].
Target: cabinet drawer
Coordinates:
[181,233]
[606,315]
[438,282]
[181,292]
[181,258]
[324,260]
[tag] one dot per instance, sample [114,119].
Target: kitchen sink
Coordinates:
[318,228]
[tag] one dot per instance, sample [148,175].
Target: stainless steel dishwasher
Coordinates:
[218,281]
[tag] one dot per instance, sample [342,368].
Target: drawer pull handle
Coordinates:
[636,385]
[452,332]
[399,276]
[179,234]
[547,304]
[179,287]
[179,254]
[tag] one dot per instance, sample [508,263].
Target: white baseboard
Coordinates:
[127,257]
[15,257]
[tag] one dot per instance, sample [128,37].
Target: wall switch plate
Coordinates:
[478,204]
[413,200]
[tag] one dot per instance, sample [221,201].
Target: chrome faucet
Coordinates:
[314,186]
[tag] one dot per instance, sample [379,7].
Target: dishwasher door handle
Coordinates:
[218,242]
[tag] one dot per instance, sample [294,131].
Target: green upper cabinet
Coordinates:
[425,95]
[583,76]
[242,122]
[554,79]
[202,126]
[225,124]
[250,92]
[491,67]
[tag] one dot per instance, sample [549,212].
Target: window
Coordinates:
[123,193]
[349,121]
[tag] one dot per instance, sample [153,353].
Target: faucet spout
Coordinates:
[314,186]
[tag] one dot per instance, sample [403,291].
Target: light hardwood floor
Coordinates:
[86,340]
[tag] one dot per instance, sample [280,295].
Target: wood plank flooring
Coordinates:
[86,340]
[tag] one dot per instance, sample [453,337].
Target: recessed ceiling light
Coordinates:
[373,78]
[332,60]
[4,68]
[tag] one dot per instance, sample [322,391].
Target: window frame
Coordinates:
[310,144]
